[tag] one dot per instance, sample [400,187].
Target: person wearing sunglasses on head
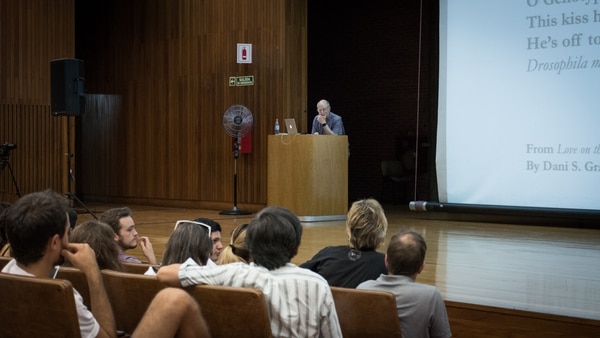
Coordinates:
[300,301]
[190,239]
[38,227]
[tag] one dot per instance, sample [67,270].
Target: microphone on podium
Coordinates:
[425,206]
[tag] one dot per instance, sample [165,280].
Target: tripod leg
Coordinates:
[14,180]
[72,196]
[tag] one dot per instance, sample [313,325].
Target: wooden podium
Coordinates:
[308,174]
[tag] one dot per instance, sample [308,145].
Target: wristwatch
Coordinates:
[323,124]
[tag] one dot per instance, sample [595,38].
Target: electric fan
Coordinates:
[237,122]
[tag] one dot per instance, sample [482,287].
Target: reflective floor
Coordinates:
[533,268]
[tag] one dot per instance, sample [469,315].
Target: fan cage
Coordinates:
[237,120]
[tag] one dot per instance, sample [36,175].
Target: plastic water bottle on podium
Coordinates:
[276,126]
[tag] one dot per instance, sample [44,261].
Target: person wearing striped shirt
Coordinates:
[299,301]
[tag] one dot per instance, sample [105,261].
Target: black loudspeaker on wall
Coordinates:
[67,81]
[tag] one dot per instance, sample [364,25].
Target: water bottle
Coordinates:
[276,126]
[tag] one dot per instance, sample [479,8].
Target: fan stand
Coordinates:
[235,210]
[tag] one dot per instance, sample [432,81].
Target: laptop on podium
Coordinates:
[290,126]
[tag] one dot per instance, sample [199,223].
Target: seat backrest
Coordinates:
[408,160]
[78,280]
[233,311]
[392,168]
[366,313]
[140,268]
[4,260]
[130,294]
[37,307]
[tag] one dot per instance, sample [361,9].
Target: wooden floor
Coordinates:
[550,270]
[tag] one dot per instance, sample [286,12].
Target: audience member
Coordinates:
[350,265]
[300,301]
[101,238]
[190,239]
[37,227]
[4,246]
[121,221]
[421,308]
[215,236]
[326,122]
[237,250]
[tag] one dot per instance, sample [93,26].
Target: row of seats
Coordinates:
[35,307]
[361,313]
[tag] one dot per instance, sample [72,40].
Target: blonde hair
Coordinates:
[236,251]
[366,224]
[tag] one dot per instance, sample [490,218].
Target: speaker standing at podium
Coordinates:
[326,122]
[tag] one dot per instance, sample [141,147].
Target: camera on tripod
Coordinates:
[6,148]
[4,152]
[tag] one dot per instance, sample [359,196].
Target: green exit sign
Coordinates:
[241,80]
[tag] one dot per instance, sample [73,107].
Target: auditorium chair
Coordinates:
[366,313]
[233,311]
[4,260]
[78,280]
[140,268]
[37,307]
[223,307]
[130,294]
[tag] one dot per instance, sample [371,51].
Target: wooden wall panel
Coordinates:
[157,83]
[296,46]
[32,33]
[169,64]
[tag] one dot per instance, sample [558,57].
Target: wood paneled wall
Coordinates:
[32,33]
[157,79]
[157,85]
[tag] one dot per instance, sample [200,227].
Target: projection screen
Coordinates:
[519,103]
